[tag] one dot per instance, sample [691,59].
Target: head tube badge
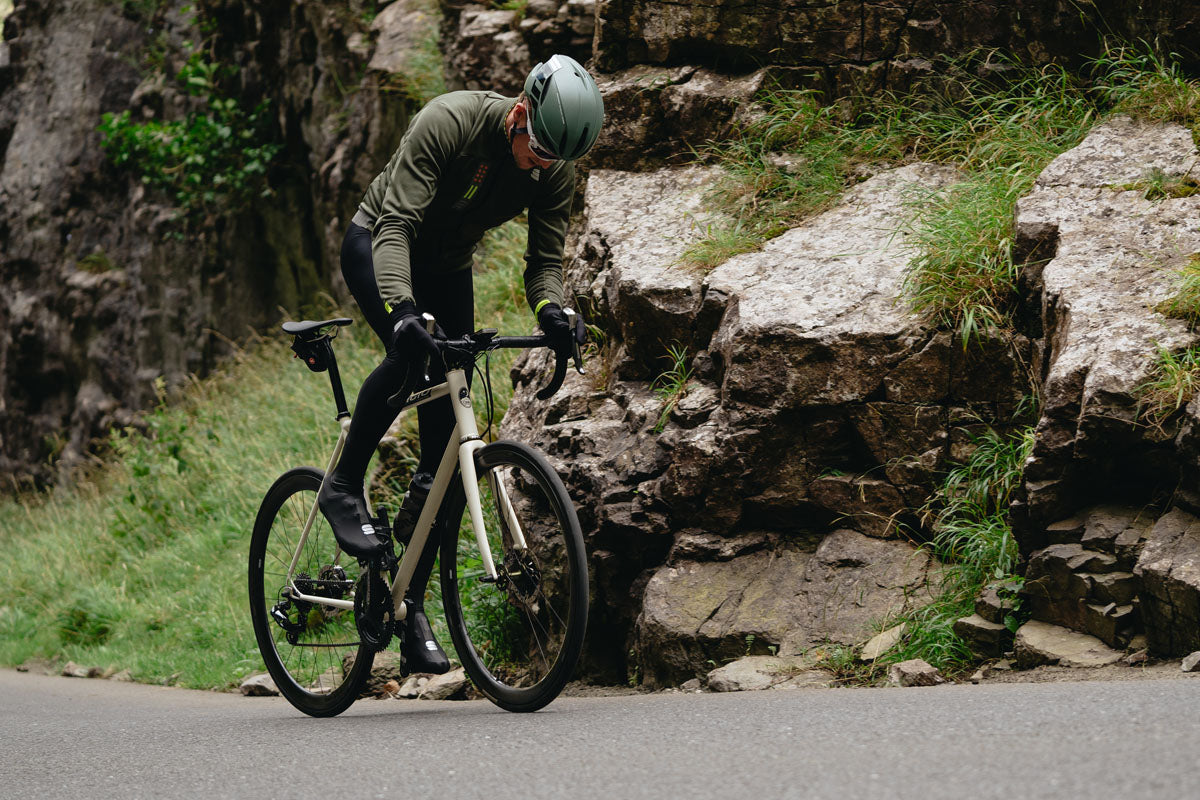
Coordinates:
[464,397]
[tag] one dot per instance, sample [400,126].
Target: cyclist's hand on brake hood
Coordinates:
[409,337]
[557,328]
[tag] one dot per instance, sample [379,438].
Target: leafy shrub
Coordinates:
[214,159]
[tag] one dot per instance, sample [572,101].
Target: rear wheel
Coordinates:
[312,650]
[518,637]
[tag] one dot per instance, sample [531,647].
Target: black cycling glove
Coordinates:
[409,337]
[559,330]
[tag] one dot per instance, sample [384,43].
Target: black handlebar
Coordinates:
[482,341]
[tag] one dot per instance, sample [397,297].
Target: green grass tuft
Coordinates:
[1175,379]
[672,384]
[1185,304]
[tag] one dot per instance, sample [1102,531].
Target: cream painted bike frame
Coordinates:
[460,451]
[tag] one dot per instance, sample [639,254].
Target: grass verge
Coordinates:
[143,566]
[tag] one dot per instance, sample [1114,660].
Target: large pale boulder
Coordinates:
[789,599]
[1114,255]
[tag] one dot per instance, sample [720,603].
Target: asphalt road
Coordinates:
[71,738]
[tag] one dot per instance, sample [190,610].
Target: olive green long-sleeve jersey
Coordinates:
[453,178]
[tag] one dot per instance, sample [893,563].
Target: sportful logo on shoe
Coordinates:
[367,529]
[430,645]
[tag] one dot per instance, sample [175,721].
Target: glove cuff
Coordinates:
[400,311]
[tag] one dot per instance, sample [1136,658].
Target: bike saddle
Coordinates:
[308,326]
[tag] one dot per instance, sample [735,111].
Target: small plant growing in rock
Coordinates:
[671,385]
[968,515]
[719,244]
[1175,380]
[1158,185]
[1185,304]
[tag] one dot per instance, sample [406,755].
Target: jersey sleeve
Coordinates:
[432,140]
[549,216]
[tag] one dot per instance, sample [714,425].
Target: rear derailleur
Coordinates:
[296,616]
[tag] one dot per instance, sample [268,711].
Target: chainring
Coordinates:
[373,610]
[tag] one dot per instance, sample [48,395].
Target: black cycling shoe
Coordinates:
[421,650]
[352,527]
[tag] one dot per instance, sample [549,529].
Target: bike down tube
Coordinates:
[469,442]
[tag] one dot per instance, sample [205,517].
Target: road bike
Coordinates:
[513,574]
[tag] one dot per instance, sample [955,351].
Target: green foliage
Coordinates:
[1173,383]
[790,161]
[972,538]
[671,385]
[214,160]
[1185,304]
[962,274]
[720,244]
[519,6]
[88,618]
[1141,81]
[97,263]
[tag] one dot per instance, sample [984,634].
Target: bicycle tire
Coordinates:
[311,671]
[520,642]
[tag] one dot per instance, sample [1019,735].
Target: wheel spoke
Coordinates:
[309,673]
[517,645]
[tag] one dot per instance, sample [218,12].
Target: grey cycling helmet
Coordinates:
[565,108]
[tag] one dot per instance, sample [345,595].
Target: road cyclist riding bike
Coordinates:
[468,162]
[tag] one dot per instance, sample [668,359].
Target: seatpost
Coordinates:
[335,381]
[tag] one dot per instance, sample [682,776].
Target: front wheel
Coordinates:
[313,650]
[519,636]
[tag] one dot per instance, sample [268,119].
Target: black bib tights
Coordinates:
[449,297]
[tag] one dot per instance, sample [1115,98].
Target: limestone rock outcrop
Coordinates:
[1169,568]
[767,503]
[838,39]
[1113,257]
[493,48]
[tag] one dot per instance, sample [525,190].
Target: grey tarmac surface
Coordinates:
[73,738]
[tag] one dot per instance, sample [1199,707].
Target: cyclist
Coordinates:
[468,162]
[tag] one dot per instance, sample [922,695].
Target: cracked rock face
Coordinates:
[830,34]
[1169,568]
[768,504]
[1114,257]
[101,292]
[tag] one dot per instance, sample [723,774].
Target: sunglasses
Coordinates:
[535,148]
